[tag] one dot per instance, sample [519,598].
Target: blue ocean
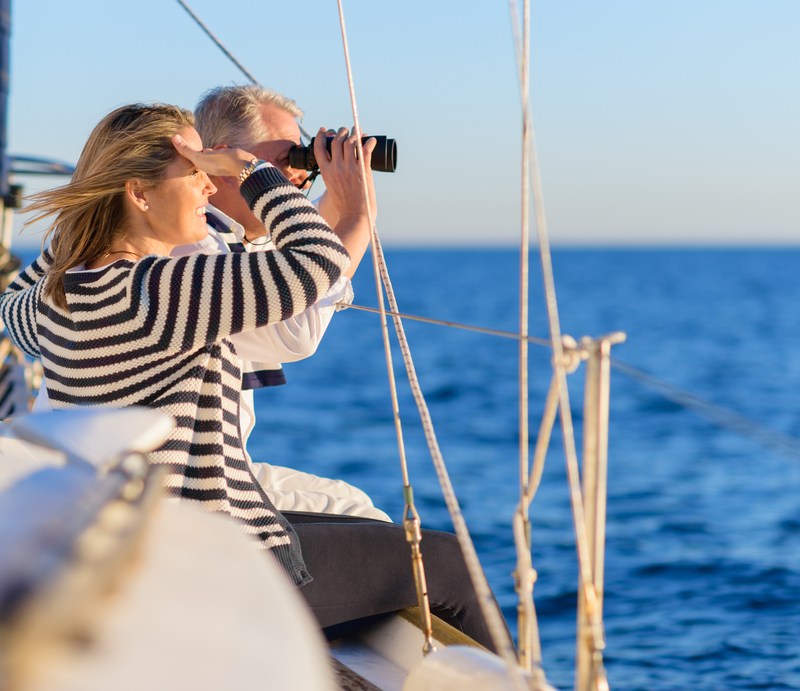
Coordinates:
[702,581]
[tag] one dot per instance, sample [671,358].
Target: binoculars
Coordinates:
[384,157]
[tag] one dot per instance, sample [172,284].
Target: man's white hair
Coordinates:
[231,115]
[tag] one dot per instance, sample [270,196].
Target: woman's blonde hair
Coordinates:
[133,141]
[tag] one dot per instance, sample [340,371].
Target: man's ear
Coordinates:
[136,193]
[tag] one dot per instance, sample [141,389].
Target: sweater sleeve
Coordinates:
[18,304]
[295,338]
[180,304]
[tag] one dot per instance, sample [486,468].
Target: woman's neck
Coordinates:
[113,255]
[131,242]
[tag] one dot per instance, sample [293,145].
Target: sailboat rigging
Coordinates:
[587,484]
[596,677]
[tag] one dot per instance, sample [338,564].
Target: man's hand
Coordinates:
[344,204]
[341,171]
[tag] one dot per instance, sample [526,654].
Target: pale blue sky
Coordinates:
[667,122]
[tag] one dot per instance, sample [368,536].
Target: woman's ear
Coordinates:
[136,193]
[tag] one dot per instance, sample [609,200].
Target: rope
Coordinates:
[529,644]
[488,606]
[411,519]
[767,437]
[227,53]
[568,435]
[217,42]
[524,255]
[456,325]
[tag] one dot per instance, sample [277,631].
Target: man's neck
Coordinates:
[229,202]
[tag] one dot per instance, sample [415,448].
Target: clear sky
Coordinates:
[671,122]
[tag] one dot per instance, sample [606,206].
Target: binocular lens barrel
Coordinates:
[384,157]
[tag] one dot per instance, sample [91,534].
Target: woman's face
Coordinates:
[177,204]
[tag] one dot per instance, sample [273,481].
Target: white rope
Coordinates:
[524,255]
[443,322]
[488,605]
[226,52]
[217,42]
[767,437]
[530,649]
[568,435]
[374,233]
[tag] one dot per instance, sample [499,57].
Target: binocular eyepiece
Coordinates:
[384,157]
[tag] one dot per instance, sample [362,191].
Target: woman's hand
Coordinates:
[219,162]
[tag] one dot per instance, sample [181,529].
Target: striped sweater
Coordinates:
[154,333]
[254,375]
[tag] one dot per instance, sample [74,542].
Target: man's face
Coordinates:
[286,133]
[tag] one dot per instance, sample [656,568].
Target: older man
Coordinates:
[265,123]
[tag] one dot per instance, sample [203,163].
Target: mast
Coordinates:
[5,43]
[10,192]
[10,195]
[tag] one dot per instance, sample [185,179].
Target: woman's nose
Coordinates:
[210,187]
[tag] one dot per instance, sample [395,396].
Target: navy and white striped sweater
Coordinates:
[153,333]
[255,375]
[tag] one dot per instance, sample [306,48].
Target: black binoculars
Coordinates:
[384,157]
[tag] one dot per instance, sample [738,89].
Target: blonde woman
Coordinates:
[116,322]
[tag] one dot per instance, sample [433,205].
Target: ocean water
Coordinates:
[703,554]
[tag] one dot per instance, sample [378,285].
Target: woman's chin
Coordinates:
[201,229]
